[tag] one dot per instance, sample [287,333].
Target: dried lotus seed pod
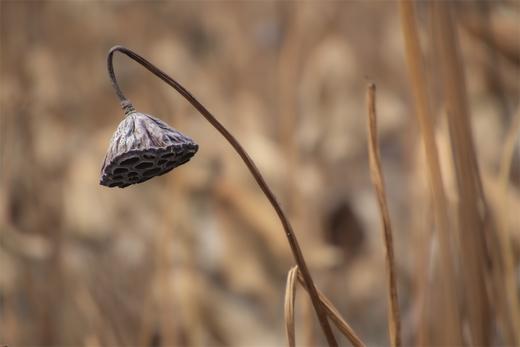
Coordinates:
[143,147]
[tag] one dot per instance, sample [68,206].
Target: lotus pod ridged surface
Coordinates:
[143,147]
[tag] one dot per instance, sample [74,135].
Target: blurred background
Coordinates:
[198,257]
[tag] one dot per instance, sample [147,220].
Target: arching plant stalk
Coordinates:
[291,237]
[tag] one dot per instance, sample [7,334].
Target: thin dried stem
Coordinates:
[290,296]
[335,316]
[451,317]
[291,237]
[394,321]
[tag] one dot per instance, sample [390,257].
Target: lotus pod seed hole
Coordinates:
[129,161]
[144,165]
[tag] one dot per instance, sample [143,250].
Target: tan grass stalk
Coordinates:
[472,208]
[335,316]
[290,295]
[448,289]
[394,321]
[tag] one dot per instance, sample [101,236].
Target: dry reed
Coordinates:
[472,207]
[451,315]
[394,321]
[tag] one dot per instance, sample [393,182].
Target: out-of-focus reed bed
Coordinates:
[197,257]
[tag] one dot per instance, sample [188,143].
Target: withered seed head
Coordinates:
[143,147]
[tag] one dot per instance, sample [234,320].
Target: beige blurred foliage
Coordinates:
[198,257]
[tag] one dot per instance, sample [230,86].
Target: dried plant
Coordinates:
[291,237]
[143,147]
[394,320]
[448,288]
[473,217]
[80,265]
[335,316]
[471,247]
[294,276]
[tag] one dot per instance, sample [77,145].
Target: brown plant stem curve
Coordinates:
[291,237]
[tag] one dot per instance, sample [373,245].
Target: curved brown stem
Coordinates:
[291,237]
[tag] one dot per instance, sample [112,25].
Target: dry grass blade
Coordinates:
[448,290]
[394,321]
[290,296]
[335,316]
[473,219]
